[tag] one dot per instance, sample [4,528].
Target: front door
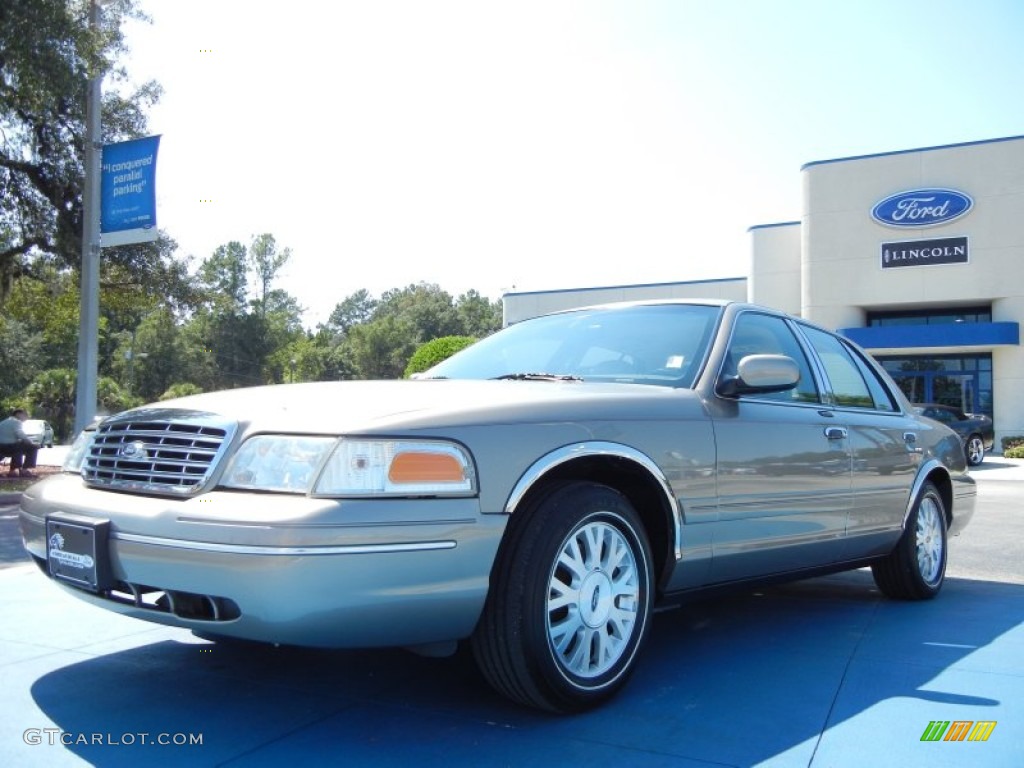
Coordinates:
[784,467]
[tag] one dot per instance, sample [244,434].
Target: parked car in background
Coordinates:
[538,494]
[975,429]
[39,432]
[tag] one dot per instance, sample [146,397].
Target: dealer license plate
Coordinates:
[77,551]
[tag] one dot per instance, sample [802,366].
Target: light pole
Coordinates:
[89,318]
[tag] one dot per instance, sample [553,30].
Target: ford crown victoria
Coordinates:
[537,495]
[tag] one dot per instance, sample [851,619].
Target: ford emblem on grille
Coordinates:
[921,208]
[135,451]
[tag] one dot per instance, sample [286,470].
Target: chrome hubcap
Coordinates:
[929,540]
[593,600]
[975,450]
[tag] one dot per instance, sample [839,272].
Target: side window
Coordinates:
[879,391]
[757,334]
[854,385]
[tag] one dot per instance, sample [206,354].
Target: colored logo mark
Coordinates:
[958,730]
[922,208]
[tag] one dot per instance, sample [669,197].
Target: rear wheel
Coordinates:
[570,600]
[916,568]
[975,450]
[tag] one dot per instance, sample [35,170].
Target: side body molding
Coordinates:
[570,453]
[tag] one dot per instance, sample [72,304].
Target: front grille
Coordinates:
[156,456]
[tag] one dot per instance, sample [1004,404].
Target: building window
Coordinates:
[931,317]
[964,381]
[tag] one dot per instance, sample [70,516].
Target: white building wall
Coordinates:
[775,266]
[1008,374]
[841,266]
[841,270]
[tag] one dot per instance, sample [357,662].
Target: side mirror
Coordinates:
[760,374]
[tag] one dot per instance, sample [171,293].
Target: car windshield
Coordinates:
[661,344]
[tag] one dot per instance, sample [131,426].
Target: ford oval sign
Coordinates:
[921,208]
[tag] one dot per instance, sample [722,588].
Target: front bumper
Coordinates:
[284,569]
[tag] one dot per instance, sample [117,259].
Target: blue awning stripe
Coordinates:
[937,336]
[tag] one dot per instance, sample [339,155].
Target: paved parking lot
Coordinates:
[824,672]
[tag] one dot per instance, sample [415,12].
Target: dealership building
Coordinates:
[916,255]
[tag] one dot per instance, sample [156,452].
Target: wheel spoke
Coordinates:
[573,559]
[579,661]
[566,631]
[560,595]
[594,541]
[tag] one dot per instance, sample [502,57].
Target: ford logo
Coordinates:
[136,450]
[921,208]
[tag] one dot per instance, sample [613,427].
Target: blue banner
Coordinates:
[128,192]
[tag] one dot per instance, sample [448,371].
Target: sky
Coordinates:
[542,144]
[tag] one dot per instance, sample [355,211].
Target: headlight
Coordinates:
[397,468]
[76,453]
[287,463]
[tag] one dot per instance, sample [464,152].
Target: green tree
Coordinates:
[478,315]
[434,351]
[21,357]
[151,358]
[234,335]
[355,308]
[180,389]
[425,309]
[266,262]
[380,348]
[225,278]
[52,392]
[49,306]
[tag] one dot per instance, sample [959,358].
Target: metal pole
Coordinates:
[88,334]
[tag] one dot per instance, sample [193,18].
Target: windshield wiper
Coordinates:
[539,377]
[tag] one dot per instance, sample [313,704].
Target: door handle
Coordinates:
[835,433]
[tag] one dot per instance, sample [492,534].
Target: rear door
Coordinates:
[883,442]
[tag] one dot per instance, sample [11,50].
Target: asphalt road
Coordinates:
[991,548]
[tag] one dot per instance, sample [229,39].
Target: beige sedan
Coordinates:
[537,495]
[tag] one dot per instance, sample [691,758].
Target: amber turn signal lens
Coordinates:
[423,467]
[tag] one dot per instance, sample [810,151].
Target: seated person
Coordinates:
[15,443]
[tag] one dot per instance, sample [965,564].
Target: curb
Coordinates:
[9,498]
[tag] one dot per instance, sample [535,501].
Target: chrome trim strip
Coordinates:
[248,549]
[277,525]
[600,448]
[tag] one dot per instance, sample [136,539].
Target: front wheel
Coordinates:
[570,600]
[975,450]
[916,568]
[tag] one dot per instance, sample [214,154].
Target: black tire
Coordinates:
[974,448]
[916,568]
[559,638]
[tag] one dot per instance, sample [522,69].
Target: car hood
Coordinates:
[382,406]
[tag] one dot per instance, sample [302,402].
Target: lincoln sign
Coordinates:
[916,253]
